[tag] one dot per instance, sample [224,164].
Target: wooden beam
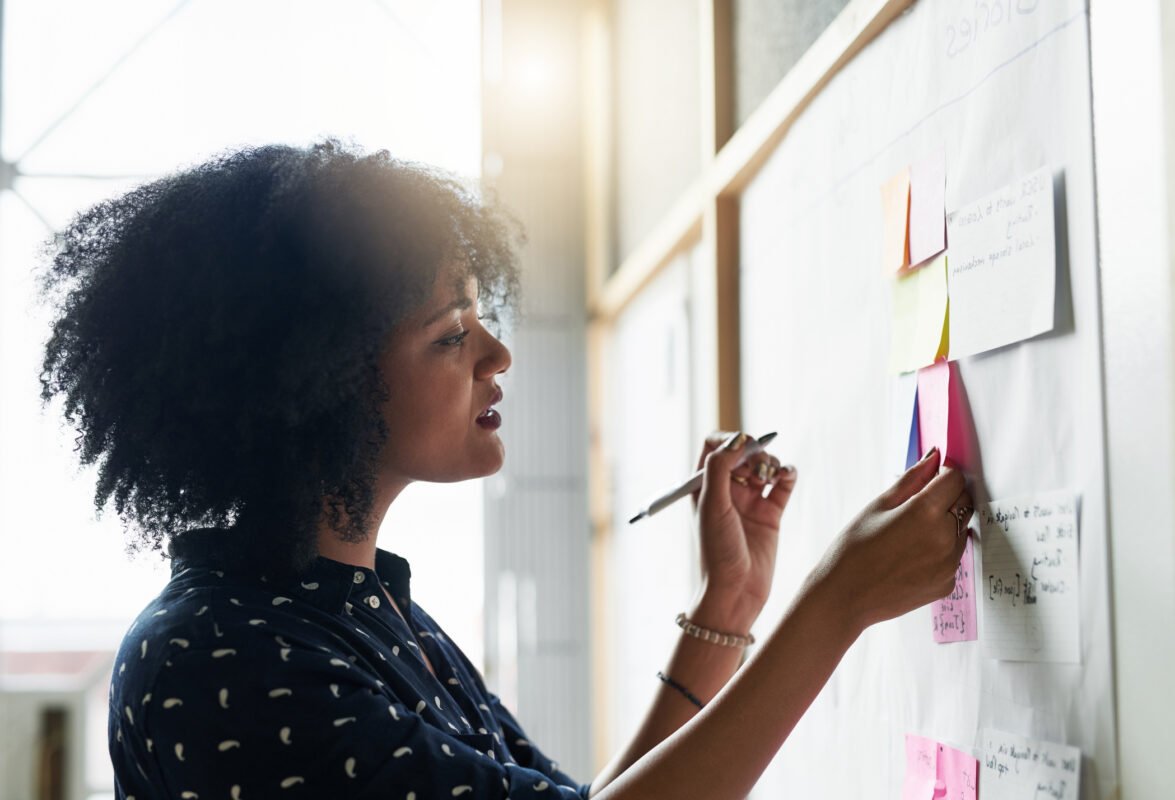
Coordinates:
[741,158]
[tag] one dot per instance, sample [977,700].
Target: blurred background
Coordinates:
[619,131]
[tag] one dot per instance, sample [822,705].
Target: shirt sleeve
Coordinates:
[315,725]
[526,753]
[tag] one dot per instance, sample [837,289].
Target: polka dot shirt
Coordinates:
[227,686]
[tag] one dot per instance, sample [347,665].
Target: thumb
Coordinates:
[912,482]
[717,468]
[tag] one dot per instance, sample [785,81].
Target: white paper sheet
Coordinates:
[1003,266]
[1014,767]
[1028,587]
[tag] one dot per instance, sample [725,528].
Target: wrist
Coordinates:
[725,612]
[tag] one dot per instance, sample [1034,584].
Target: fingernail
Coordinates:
[929,453]
[735,442]
[788,468]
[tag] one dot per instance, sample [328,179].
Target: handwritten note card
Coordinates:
[928,229]
[954,615]
[895,220]
[1015,767]
[918,333]
[1002,273]
[935,771]
[1028,586]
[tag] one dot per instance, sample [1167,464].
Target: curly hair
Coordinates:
[216,334]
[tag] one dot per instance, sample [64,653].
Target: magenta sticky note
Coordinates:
[928,187]
[934,403]
[958,775]
[921,768]
[954,615]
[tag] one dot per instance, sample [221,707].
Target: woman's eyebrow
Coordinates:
[461,303]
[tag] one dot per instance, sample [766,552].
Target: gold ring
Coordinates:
[740,479]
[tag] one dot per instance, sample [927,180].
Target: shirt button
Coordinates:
[373,601]
[359,576]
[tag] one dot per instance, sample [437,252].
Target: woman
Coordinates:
[262,352]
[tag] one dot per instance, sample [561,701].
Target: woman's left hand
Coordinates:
[739,530]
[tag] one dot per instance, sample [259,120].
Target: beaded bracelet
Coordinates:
[707,635]
[686,692]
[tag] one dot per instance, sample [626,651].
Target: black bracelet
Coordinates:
[688,694]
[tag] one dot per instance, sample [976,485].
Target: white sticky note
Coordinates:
[1027,585]
[1003,266]
[1014,767]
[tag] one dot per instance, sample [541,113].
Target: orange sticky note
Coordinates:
[895,215]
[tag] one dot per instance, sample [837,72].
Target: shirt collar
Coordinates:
[327,584]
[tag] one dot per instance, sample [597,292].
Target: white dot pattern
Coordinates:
[271,689]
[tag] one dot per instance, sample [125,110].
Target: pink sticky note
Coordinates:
[958,775]
[934,404]
[921,768]
[954,615]
[895,221]
[928,181]
[943,414]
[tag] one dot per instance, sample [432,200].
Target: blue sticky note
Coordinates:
[913,449]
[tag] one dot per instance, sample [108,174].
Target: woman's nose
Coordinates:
[497,358]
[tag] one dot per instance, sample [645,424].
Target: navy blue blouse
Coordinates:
[227,686]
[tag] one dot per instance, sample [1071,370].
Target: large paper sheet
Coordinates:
[1031,602]
[1003,266]
[1015,767]
[1001,102]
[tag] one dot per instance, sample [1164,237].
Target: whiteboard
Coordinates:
[1001,96]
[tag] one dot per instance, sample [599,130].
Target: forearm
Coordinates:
[723,750]
[701,667]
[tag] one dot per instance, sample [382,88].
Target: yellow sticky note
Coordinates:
[895,219]
[918,334]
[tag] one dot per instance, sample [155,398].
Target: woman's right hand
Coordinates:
[901,552]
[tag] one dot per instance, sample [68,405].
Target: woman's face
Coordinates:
[441,369]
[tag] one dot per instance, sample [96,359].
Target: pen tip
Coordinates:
[634,519]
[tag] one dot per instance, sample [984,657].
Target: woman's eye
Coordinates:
[454,340]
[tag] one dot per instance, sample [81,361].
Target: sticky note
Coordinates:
[1002,275]
[958,775]
[928,228]
[902,438]
[895,216]
[919,326]
[1028,589]
[935,771]
[934,405]
[913,447]
[944,419]
[1016,767]
[921,768]
[954,615]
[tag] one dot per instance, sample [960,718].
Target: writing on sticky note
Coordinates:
[943,416]
[958,774]
[921,768]
[919,326]
[1031,607]
[954,615]
[1014,767]
[927,208]
[895,217]
[1002,274]
[935,771]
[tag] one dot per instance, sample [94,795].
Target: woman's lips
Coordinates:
[490,420]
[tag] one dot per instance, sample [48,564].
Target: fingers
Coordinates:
[941,492]
[718,464]
[913,481]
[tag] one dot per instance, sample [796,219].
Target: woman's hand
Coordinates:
[901,552]
[739,531]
